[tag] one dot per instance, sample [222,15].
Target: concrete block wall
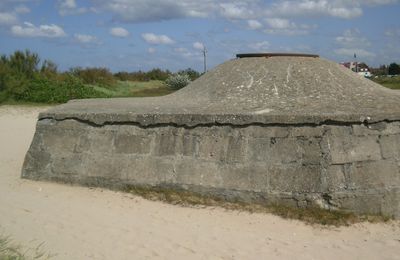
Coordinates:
[353,167]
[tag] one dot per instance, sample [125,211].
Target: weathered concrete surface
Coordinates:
[298,131]
[350,167]
[277,90]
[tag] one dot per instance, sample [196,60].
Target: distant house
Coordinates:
[359,67]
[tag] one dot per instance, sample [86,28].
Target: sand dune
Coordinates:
[83,223]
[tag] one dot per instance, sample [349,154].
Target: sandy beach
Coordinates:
[82,223]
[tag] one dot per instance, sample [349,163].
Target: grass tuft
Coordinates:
[388,82]
[10,251]
[311,215]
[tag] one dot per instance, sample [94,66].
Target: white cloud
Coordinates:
[157,39]
[185,52]
[22,9]
[349,53]
[144,10]
[158,10]
[7,18]
[198,46]
[352,38]
[30,30]
[236,10]
[119,32]
[279,23]
[352,42]
[254,24]
[151,50]
[335,8]
[69,4]
[287,27]
[86,39]
[393,33]
[69,7]
[259,46]
[180,49]
[378,2]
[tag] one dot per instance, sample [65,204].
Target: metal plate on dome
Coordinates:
[267,55]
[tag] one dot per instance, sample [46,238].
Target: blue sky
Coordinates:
[133,35]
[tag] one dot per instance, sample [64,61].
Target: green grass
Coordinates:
[388,82]
[311,215]
[24,103]
[135,89]
[120,89]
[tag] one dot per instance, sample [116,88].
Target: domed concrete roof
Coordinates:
[263,89]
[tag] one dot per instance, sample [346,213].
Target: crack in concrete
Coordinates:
[244,125]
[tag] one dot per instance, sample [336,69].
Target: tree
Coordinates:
[25,63]
[394,69]
[49,67]
[191,73]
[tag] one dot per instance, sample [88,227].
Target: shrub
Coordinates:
[158,74]
[95,76]
[44,90]
[154,74]
[25,63]
[177,81]
[191,73]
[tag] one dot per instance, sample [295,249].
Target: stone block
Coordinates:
[335,178]
[213,147]
[165,145]
[310,150]
[132,144]
[373,175]
[306,131]
[375,202]
[104,166]
[148,170]
[60,140]
[392,128]
[338,131]
[237,148]
[390,146]
[253,178]
[285,150]
[36,165]
[101,141]
[190,145]
[347,149]
[71,164]
[83,144]
[359,202]
[275,150]
[267,131]
[390,205]
[196,172]
[37,142]
[295,178]
[258,149]
[363,130]
[71,124]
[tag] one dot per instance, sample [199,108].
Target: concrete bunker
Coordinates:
[271,128]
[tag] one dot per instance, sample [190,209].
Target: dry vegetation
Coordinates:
[311,215]
[11,251]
